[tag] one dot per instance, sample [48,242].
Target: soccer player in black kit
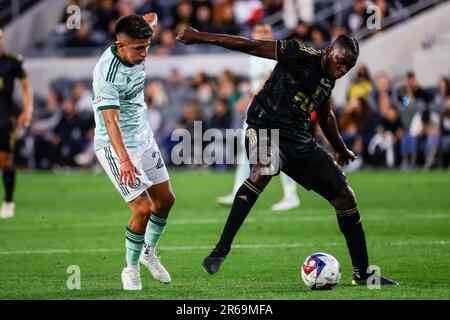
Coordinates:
[11,119]
[301,83]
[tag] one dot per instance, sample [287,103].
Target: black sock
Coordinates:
[9,178]
[244,200]
[350,224]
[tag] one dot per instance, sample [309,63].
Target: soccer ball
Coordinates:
[321,271]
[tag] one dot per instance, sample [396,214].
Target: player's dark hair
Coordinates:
[348,42]
[134,26]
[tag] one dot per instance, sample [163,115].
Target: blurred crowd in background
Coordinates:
[403,126]
[388,124]
[315,22]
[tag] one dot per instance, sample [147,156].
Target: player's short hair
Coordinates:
[348,42]
[134,26]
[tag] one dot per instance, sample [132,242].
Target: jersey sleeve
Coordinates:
[19,71]
[105,95]
[292,53]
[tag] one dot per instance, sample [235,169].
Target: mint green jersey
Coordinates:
[119,85]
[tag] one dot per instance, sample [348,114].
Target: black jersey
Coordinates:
[296,87]
[10,69]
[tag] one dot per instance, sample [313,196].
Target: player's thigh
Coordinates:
[6,159]
[140,206]
[318,171]
[109,160]
[329,179]
[153,165]
[259,148]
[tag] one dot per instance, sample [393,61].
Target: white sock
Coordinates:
[149,250]
[289,186]
[133,266]
[242,172]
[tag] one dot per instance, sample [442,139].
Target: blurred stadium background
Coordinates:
[393,110]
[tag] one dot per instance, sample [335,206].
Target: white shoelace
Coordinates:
[134,276]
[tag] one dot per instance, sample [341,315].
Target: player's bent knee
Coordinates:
[164,205]
[345,199]
[257,176]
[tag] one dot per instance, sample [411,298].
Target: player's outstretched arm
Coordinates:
[259,48]
[328,124]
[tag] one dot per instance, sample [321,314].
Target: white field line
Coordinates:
[237,246]
[174,222]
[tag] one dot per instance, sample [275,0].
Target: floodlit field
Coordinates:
[79,219]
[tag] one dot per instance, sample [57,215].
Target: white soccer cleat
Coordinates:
[152,262]
[226,200]
[286,204]
[131,279]
[7,210]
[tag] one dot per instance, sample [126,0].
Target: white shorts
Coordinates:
[147,160]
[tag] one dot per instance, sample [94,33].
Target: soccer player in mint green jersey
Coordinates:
[126,149]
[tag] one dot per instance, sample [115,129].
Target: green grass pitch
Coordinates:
[79,219]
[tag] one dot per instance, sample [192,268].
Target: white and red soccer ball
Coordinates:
[321,271]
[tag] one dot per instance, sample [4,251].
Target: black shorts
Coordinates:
[316,170]
[7,136]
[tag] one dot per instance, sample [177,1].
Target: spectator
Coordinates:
[167,44]
[411,92]
[151,6]
[80,38]
[301,32]
[69,137]
[353,123]
[224,19]
[443,92]
[203,19]
[83,98]
[221,118]
[385,144]
[362,85]
[126,8]
[445,132]
[42,131]
[425,129]
[104,14]
[336,31]
[183,15]
[358,16]
[298,10]
[382,88]
[319,37]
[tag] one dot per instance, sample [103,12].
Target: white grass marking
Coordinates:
[237,246]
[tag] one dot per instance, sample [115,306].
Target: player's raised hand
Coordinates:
[128,172]
[188,36]
[151,18]
[344,157]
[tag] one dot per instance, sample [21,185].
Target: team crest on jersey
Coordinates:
[135,186]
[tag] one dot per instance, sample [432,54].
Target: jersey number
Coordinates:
[304,102]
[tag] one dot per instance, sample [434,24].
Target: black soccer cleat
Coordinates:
[212,262]
[363,280]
